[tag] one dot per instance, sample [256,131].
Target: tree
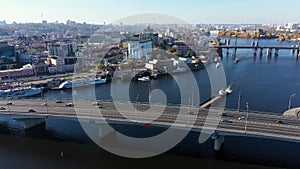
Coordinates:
[100,67]
[188,54]
[11,67]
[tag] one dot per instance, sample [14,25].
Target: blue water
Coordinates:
[266,83]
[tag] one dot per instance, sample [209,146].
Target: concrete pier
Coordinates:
[29,123]
[269,52]
[218,141]
[276,52]
[234,52]
[255,51]
[261,51]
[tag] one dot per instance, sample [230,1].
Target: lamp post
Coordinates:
[188,113]
[247,106]
[239,101]
[136,102]
[290,101]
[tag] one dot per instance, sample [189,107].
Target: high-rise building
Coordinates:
[62,49]
[140,49]
[7,55]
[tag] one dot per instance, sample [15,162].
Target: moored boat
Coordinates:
[79,83]
[20,92]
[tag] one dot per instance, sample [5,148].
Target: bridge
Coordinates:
[251,124]
[255,48]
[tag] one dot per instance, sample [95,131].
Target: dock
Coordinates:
[210,101]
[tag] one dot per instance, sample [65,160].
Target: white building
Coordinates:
[291,26]
[62,49]
[138,50]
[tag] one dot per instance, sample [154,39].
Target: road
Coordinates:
[259,124]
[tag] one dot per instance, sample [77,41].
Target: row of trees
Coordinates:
[253,35]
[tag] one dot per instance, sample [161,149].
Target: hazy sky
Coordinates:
[193,11]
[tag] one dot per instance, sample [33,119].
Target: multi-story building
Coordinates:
[140,49]
[7,55]
[61,49]
[26,70]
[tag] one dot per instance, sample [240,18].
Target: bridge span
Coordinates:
[269,49]
[230,123]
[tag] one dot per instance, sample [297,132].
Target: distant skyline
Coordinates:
[193,11]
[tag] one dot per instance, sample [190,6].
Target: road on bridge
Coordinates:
[261,124]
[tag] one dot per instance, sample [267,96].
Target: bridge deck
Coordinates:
[258,124]
[255,47]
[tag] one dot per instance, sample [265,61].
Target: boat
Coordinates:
[79,83]
[228,90]
[236,60]
[179,70]
[218,65]
[221,92]
[144,79]
[20,92]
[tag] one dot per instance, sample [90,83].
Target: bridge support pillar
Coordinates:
[254,51]
[218,141]
[293,51]
[227,52]
[234,52]
[276,52]
[29,123]
[269,52]
[220,52]
[261,51]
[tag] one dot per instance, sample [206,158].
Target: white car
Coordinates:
[96,103]
[44,104]
[69,105]
[242,118]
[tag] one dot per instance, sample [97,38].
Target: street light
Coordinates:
[290,101]
[136,102]
[239,101]
[247,106]
[188,113]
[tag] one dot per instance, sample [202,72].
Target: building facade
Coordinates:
[7,55]
[141,49]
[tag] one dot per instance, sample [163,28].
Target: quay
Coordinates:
[257,124]
[210,101]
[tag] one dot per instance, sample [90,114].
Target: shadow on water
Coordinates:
[67,135]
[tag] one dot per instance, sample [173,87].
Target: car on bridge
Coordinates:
[226,120]
[222,114]
[279,121]
[31,111]
[96,103]
[69,105]
[2,108]
[242,118]
[9,103]
[59,101]
[44,104]
[190,113]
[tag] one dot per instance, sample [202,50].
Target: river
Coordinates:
[265,83]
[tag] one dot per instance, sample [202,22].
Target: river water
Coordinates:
[265,83]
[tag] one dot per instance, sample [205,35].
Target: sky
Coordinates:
[192,11]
